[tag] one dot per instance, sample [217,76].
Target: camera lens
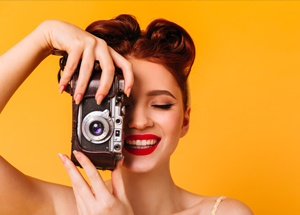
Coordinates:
[96,128]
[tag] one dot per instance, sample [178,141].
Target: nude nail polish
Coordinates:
[128,92]
[62,158]
[62,89]
[78,98]
[99,99]
[77,155]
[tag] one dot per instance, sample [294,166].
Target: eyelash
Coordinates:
[165,107]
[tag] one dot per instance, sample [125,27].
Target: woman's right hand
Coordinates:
[80,44]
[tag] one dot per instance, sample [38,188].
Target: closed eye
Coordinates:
[165,107]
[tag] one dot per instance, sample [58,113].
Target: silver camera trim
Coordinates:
[117,112]
[103,117]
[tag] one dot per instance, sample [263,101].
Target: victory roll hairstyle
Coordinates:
[162,42]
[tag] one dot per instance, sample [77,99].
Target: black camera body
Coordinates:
[97,130]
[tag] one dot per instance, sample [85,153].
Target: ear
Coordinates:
[186,122]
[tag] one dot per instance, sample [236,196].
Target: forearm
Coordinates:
[18,62]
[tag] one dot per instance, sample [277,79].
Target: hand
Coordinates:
[80,44]
[97,200]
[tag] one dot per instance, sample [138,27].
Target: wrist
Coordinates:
[43,32]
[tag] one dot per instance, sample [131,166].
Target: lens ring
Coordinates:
[91,133]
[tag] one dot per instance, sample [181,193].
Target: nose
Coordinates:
[139,118]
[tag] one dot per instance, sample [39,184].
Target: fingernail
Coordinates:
[77,155]
[99,99]
[121,162]
[128,92]
[61,89]
[62,158]
[78,98]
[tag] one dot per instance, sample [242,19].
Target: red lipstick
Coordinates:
[134,148]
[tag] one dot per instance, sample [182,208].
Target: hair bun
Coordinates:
[164,32]
[119,33]
[172,44]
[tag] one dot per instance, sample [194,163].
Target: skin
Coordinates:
[139,184]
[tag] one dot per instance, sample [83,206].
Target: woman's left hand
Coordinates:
[97,199]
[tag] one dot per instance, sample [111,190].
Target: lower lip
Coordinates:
[146,151]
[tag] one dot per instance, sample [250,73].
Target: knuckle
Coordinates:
[65,79]
[80,86]
[95,209]
[87,67]
[68,167]
[72,67]
[77,43]
[126,65]
[109,205]
[76,184]
[94,176]
[110,68]
[101,42]
[91,41]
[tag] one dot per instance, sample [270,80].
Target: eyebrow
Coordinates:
[159,92]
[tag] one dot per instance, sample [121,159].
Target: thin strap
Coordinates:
[217,204]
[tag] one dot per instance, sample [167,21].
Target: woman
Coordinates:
[155,64]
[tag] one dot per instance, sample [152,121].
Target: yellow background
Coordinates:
[244,135]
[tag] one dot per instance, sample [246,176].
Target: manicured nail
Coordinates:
[77,155]
[62,89]
[62,158]
[121,161]
[78,98]
[128,92]
[99,99]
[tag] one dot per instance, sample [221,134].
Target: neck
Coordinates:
[152,192]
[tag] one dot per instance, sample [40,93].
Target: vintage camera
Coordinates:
[97,130]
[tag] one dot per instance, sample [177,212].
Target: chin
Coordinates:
[141,164]
[132,165]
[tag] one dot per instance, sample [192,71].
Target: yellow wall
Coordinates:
[244,136]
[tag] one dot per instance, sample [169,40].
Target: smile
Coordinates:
[141,144]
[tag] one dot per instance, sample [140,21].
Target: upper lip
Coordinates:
[141,137]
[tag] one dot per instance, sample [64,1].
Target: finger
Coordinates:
[80,204]
[94,177]
[71,66]
[78,181]
[117,182]
[108,71]
[86,69]
[126,68]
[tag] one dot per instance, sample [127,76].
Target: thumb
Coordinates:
[117,182]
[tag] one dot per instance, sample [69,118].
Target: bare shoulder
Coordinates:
[62,197]
[204,205]
[230,206]
[31,195]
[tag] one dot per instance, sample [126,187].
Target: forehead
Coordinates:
[149,76]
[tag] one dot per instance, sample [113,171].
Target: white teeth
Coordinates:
[141,143]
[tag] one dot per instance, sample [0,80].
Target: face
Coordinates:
[154,119]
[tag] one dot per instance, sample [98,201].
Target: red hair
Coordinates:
[163,42]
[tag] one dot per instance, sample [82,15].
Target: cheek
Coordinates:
[170,122]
